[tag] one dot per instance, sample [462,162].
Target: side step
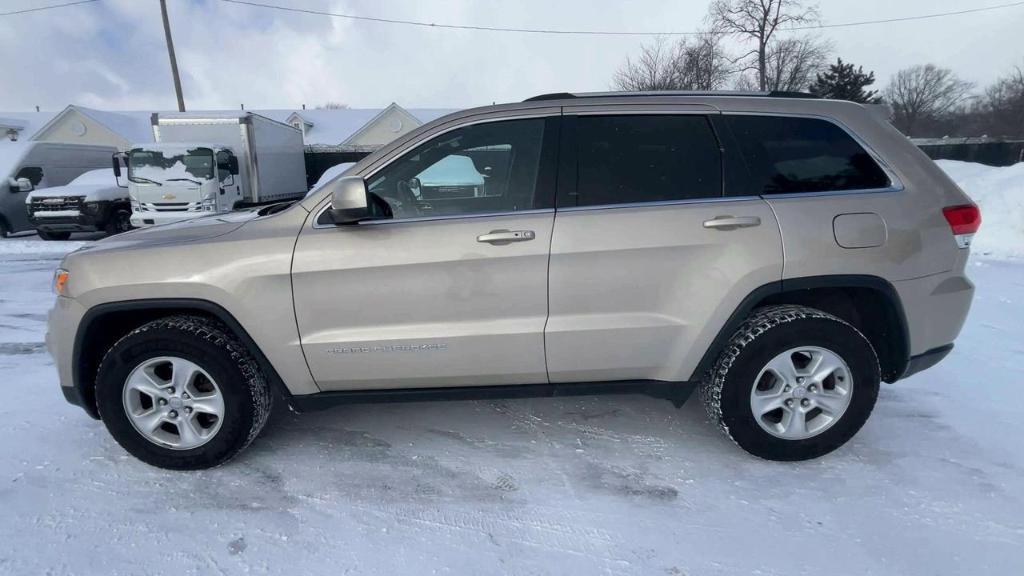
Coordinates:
[676,392]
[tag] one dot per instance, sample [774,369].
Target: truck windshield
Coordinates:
[159,166]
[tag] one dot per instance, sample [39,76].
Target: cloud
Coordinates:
[111,54]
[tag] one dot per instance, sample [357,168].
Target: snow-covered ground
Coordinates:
[934,484]
[999,192]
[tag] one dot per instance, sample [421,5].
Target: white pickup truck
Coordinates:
[92,202]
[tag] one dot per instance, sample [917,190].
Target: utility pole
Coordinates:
[170,54]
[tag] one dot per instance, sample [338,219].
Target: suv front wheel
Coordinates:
[793,383]
[182,393]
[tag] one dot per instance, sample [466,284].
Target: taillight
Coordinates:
[964,221]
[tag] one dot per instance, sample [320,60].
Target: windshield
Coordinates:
[159,166]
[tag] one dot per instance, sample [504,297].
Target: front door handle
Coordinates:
[502,237]
[732,222]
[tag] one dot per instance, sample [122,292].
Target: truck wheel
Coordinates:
[182,393]
[120,221]
[4,230]
[53,235]
[793,383]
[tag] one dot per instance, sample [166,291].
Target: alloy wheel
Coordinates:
[801,393]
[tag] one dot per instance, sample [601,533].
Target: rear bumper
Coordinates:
[927,360]
[936,307]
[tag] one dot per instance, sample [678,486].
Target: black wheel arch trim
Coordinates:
[82,392]
[795,285]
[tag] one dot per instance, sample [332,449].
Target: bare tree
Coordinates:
[924,92]
[757,21]
[685,65]
[793,63]
[653,70]
[329,105]
[704,64]
[1001,108]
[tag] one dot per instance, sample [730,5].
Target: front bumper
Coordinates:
[61,329]
[91,217]
[146,219]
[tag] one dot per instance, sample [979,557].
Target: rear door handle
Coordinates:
[502,237]
[732,222]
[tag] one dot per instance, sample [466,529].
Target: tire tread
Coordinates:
[217,334]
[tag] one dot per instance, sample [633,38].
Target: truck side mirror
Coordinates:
[20,184]
[233,165]
[116,159]
[349,201]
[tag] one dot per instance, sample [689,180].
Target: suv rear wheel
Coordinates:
[793,383]
[182,393]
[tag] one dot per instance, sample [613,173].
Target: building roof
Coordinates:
[25,123]
[334,126]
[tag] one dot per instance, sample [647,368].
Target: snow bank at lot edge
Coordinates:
[999,192]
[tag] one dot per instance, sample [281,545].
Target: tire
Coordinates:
[224,364]
[53,235]
[120,221]
[786,336]
[4,230]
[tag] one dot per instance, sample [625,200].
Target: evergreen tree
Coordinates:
[844,82]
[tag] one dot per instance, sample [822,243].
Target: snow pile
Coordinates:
[999,192]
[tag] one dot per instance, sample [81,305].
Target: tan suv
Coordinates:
[784,253]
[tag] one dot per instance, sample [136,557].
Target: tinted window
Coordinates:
[33,173]
[787,155]
[627,159]
[478,169]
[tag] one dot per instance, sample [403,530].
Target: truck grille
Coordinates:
[56,203]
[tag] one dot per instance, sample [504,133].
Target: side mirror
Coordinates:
[116,159]
[20,184]
[233,165]
[349,200]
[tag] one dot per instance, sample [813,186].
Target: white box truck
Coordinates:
[212,162]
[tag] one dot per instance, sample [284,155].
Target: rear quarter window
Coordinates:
[787,155]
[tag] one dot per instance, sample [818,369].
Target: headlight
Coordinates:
[136,207]
[60,282]
[210,205]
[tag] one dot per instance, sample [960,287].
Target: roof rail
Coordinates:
[769,94]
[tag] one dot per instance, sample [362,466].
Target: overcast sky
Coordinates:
[111,54]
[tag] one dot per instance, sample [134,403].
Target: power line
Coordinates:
[606,32]
[50,7]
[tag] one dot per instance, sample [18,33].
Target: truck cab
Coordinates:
[173,182]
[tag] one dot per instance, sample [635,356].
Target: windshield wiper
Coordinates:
[196,182]
[138,179]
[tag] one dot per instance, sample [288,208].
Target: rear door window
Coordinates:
[787,155]
[632,159]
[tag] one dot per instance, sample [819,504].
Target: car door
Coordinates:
[649,257]
[450,291]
